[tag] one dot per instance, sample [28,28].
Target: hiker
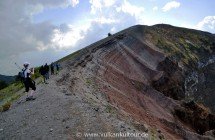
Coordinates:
[57,67]
[43,73]
[52,68]
[46,67]
[28,82]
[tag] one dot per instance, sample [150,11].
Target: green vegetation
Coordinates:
[88,81]
[36,73]
[71,56]
[3,84]
[39,80]
[184,45]
[9,93]
[110,109]
[153,134]
[10,90]
[6,106]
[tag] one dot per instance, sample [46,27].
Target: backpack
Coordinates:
[21,75]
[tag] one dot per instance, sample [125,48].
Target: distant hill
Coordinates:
[7,79]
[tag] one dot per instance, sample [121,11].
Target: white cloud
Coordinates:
[31,40]
[106,18]
[97,5]
[171,5]
[113,30]
[109,3]
[68,39]
[74,2]
[155,8]
[207,24]
[117,12]
[103,20]
[20,37]
[133,10]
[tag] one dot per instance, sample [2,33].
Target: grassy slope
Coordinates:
[185,45]
[9,93]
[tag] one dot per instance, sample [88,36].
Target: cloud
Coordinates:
[133,10]
[64,39]
[96,31]
[33,7]
[109,3]
[74,2]
[50,3]
[115,13]
[19,36]
[111,17]
[155,8]
[97,5]
[115,7]
[103,20]
[171,5]
[207,24]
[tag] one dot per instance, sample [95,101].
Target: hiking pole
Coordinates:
[18,66]
[19,72]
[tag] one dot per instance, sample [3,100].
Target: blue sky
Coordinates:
[189,11]
[64,15]
[40,31]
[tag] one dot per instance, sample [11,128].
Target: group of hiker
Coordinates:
[27,72]
[57,65]
[45,69]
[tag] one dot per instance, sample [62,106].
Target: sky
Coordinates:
[43,31]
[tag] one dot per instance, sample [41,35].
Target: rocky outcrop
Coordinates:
[199,117]
[171,83]
[205,88]
[199,84]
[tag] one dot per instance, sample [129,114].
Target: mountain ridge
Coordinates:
[132,56]
[7,79]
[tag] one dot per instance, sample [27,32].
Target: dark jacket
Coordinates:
[42,70]
[46,67]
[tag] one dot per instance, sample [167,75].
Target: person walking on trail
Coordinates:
[46,67]
[43,73]
[57,67]
[52,68]
[28,82]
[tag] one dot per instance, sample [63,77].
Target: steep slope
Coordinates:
[144,72]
